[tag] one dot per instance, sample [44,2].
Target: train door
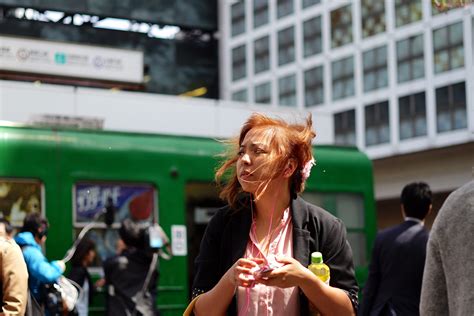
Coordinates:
[202,201]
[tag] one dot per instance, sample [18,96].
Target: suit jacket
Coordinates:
[396,271]
[314,229]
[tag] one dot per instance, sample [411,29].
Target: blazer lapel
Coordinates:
[240,233]
[301,234]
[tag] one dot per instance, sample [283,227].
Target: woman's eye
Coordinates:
[259,151]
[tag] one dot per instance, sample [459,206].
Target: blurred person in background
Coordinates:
[448,280]
[13,273]
[41,271]
[84,257]
[398,259]
[125,273]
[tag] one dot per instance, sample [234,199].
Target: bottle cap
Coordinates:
[316,257]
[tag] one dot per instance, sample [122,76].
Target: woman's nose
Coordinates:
[246,158]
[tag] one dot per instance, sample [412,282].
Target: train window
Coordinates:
[18,197]
[349,207]
[135,200]
[358,244]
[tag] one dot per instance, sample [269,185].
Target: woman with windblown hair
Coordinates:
[255,252]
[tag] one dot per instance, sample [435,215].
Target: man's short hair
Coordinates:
[416,199]
[133,233]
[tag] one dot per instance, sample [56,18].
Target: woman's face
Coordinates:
[253,154]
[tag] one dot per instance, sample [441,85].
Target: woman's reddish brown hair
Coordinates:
[285,141]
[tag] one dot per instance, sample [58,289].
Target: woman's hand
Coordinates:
[292,273]
[241,273]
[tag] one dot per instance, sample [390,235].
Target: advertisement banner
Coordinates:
[136,201]
[19,197]
[71,60]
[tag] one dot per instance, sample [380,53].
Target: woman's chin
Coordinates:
[248,188]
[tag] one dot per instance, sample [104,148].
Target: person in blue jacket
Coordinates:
[41,272]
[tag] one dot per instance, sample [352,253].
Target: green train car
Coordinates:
[68,175]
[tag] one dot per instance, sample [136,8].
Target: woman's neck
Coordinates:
[271,205]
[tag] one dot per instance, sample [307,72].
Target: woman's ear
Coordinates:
[290,168]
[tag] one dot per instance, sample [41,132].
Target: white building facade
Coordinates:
[396,76]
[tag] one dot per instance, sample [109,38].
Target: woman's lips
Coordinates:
[245,174]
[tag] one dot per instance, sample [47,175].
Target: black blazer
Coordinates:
[314,229]
[396,271]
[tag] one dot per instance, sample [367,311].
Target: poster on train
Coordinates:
[19,197]
[136,201]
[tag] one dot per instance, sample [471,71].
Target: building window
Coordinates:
[287,90]
[263,93]
[448,47]
[261,48]
[451,107]
[341,26]
[238,62]
[238,18]
[412,115]
[407,11]
[373,17]
[375,69]
[342,78]
[443,6]
[344,128]
[377,129]
[284,8]
[313,86]
[312,38]
[308,3]
[286,46]
[410,58]
[240,95]
[260,13]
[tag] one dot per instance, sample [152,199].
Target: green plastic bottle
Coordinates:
[321,270]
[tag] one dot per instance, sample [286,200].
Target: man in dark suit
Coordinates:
[398,259]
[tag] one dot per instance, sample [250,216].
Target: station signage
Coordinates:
[70,60]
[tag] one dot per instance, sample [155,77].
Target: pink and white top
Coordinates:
[268,300]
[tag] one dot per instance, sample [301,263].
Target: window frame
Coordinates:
[312,87]
[261,54]
[379,123]
[347,127]
[286,47]
[376,68]
[239,63]
[344,78]
[237,19]
[341,26]
[412,114]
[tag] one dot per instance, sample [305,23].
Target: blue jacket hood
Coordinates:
[26,239]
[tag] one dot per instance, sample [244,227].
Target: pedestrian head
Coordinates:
[36,224]
[267,149]
[6,230]
[84,254]
[133,233]
[416,199]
